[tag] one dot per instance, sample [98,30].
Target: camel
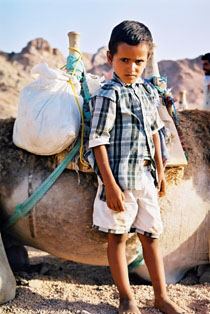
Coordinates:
[60,223]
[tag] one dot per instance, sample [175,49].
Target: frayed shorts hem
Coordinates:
[118,231]
[145,233]
[129,230]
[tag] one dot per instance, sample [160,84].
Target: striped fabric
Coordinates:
[124,117]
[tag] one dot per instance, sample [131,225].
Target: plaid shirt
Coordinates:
[124,118]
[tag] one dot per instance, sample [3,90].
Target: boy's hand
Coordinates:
[115,198]
[161,184]
[114,195]
[159,164]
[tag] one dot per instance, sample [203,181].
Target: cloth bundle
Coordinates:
[48,119]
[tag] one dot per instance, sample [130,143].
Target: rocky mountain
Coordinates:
[186,75]
[15,72]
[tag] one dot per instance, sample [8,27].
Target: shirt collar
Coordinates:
[116,78]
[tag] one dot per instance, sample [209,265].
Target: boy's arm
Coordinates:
[114,195]
[159,164]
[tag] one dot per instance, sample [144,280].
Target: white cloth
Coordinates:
[48,119]
[206,90]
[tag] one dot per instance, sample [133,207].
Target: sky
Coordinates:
[180,28]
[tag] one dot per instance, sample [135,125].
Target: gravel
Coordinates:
[52,285]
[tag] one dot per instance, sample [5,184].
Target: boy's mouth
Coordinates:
[130,75]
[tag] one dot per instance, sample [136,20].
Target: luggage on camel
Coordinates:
[48,119]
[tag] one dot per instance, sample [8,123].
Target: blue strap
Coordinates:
[78,66]
[139,260]
[22,209]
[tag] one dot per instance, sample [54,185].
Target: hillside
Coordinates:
[15,72]
[186,75]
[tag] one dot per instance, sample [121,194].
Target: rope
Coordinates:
[80,73]
[83,124]
[78,60]
[22,209]
[80,110]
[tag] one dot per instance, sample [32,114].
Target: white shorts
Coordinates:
[141,215]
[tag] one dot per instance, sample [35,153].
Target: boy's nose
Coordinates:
[132,67]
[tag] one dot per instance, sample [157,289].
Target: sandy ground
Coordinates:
[57,286]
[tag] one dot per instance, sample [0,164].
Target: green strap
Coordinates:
[22,209]
[139,260]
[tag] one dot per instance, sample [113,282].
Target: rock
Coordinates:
[36,45]
[99,57]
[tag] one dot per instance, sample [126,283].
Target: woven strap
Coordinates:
[22,209]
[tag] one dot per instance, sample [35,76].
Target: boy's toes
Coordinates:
[128,307]
[169,307]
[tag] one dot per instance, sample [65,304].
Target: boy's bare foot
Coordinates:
[128,306]
[167,306]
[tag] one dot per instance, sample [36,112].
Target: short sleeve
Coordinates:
[102,121]
[157,123]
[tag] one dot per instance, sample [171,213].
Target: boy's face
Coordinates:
[129,61]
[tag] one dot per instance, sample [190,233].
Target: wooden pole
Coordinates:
[152,66]
[74,42]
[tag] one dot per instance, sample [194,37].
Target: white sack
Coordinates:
[94,82]
[48,117]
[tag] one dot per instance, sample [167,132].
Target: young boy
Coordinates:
[125,141]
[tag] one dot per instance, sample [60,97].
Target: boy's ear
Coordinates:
[109,58]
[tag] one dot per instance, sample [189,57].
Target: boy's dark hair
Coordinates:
[206,57]
[130,32]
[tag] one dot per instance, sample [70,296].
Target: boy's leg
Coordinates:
[119,270]
[154,261]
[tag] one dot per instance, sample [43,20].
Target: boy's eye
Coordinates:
[139,61]
[124,59]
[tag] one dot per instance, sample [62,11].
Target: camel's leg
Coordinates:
[7,279]
[203,273]
[17,254]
